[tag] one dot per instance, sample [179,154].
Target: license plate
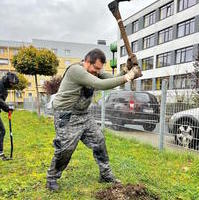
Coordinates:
[148,110]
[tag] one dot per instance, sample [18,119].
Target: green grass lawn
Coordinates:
[170,175]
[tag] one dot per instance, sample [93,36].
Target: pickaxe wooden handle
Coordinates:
[114,8]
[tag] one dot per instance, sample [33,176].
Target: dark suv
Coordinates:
[130,107]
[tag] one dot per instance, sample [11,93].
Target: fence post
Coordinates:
[103,111]
[163,113]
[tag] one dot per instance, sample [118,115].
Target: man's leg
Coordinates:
[67,138]
[94,139]
[2,134]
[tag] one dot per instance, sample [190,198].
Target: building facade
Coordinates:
[165,38]
[67,53]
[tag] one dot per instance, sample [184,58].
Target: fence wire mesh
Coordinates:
[138,114]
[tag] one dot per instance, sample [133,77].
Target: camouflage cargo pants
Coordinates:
[70,129]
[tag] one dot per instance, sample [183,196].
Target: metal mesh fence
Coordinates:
[163,118]
[167,118]
[30,104]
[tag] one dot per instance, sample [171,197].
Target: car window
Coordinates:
[120,97]
[122,100]
[112,98]
[142,97]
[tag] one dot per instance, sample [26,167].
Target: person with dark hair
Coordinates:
[72,120]
[6,83]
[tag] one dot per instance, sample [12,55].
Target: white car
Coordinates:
[185,126]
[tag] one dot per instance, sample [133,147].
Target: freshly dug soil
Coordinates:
[125,192]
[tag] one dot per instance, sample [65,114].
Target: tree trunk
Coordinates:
[38,105]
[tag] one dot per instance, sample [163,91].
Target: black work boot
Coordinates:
[109,179]
[52,185]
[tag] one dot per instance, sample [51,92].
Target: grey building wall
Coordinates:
[141,23]
[171,82]
[175,31]
[157,15]
[197,23]
[129,29]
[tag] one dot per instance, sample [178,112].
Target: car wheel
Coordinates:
[187,134]
[149,127]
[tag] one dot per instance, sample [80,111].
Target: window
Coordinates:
[67,52]
[54,51]
[2,50]
[164,60]
[186,28]
[29,84]
[166,10]
[184,55]
[149,41]
[4,61]
[165,35]
[123,51]
[159,82]
[29,94]
[18,94]
[134,46]
[135,26]
[182,81]
[41,82]
[142,97]
[147,63]
[149,19]
[146,84]
[184,4]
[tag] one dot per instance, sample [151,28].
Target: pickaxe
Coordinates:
[114,8]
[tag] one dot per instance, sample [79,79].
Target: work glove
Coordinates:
[10,108]
[134,73]
[129,65]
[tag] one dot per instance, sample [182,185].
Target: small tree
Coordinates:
[32,61]
[52,86]
[23,83]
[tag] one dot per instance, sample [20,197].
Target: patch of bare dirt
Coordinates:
[125,192]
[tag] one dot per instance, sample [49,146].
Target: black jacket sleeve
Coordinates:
[3,105]
[3,96]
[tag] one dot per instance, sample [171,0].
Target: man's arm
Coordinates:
[79,75]
[105,75]
[3,105]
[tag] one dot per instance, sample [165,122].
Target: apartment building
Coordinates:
[66,52]
[165,38]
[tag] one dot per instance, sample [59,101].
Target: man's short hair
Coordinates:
[95,54]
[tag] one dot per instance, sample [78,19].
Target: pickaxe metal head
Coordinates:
[113,6]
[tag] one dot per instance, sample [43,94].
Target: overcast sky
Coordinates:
[83,21]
